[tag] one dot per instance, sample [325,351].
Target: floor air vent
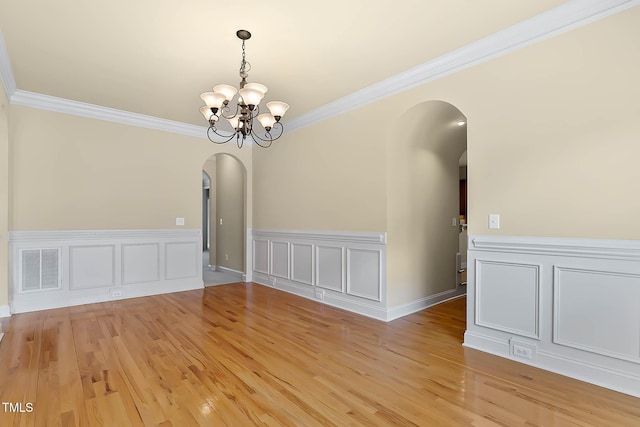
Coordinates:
[39,269]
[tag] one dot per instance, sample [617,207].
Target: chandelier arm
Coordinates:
[229,137]
[269,138]
[229,109]
[257,138]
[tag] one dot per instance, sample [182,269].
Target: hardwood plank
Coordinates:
[244,354]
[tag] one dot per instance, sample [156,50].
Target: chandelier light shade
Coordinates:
[244,111]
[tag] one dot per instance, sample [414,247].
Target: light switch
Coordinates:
[494,221]
[220,221]
[454,221]
[179,221]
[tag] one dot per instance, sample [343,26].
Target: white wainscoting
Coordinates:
[571,306]
[103,265]
[342,269]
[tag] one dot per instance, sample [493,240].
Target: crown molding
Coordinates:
[568,16]
[6,72]
[92,111]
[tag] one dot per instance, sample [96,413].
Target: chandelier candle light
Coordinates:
[246,110]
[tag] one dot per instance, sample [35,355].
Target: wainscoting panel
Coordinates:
[603,292]
[363,273]
[261,256]
[103,265]
[181,260]
[343,269]
[280,259]
[571,306]
[330,273]
[302,263]
[507,297]
[92,266]
[140,263]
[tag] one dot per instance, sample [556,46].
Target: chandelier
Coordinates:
[247,108]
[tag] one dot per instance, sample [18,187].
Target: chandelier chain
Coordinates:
[244,71]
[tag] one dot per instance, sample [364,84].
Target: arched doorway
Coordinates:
[423,204]
[461,261]
[224,219]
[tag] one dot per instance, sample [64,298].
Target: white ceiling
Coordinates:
[156,57]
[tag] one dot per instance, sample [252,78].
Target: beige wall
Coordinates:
[329,176]
[75,173]
[230,197]
[552,133]
[554,149]
[552,146]
[4,196]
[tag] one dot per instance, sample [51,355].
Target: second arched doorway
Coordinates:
[224,219]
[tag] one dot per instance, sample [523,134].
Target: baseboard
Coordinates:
[593,374]
[487,344]
[229,270]
[333,300]
[5,311]
[74,298]
[261,279]
[562,365]
[357,306]
[402,310]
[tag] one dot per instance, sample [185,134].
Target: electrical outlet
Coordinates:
[522,349]
[522,352]
[116,293]
[320,294]
[226,257]
[179,221]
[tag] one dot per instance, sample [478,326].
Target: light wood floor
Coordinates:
[245,354]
